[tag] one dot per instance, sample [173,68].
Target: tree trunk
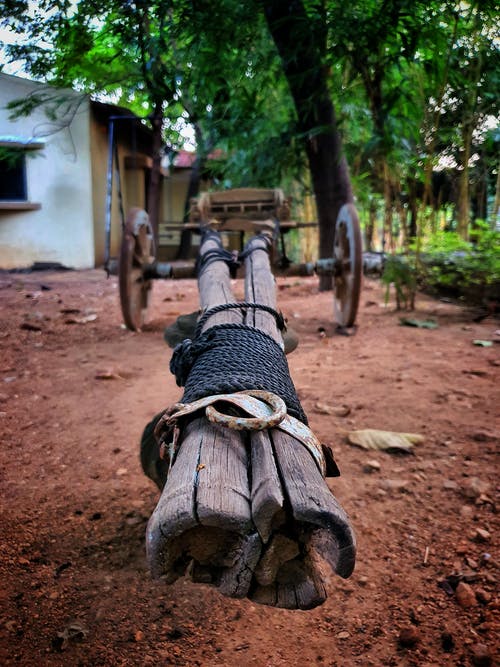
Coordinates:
[403,237]
[307,78]
[496,203]
[479,198]
[193,190]
[387,230]
[154,190]
[370,226]
[463,188]
[413,209]
[468,124]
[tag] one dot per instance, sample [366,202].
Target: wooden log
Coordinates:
[306,581]
[312,502]
[263,539]
[296,591]
[280,550]
[299,579]
[223,495]
[214,285]
[279,582]
[222,491]
[202,524]
[288,574]
[235,581]
[185,525]
[260,287]
[264,595]
[266,495]
[309,498]
[175,533]
[175,512]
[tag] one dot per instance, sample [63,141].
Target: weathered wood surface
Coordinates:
[248,512]
[309,498]
[214,285]
[207,487]
[260,287]
[266,493]
[313,504]
[254,203]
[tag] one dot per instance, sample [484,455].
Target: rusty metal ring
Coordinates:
[251,423]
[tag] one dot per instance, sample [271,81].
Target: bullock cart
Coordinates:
[239,212]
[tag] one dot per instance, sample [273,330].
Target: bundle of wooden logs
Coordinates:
[247,511]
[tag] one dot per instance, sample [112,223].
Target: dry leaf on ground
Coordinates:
[384,440]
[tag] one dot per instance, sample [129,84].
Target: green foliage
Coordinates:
[448,265]
[465,269]
[213,66]
[399,270]
[12,157]
[425,88]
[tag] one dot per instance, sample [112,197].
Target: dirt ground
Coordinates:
[76,390]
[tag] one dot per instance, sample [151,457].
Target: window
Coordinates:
[13,180]
[13,176]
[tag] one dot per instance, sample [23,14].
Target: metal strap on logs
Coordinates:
[266,410]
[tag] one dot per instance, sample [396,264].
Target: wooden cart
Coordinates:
[239,211]
[244,505]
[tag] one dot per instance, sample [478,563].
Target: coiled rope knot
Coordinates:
[232,357]
[182,361]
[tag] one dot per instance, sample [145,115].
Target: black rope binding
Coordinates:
[217,255]
[252,247]
[243,306]
[234,357]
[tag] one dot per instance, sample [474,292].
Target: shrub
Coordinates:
[468,270]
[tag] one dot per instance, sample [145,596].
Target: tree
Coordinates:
[381,46]
[116,53]
[164,60]
[291,24]
[272,81]
[471,98]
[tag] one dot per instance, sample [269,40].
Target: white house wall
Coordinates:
[59,179]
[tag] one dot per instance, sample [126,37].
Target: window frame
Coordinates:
[23,204]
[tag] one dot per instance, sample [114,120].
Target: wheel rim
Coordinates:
[347,253]
[135,255]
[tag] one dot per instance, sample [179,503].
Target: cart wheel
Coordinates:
[135,254]
[347,255]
